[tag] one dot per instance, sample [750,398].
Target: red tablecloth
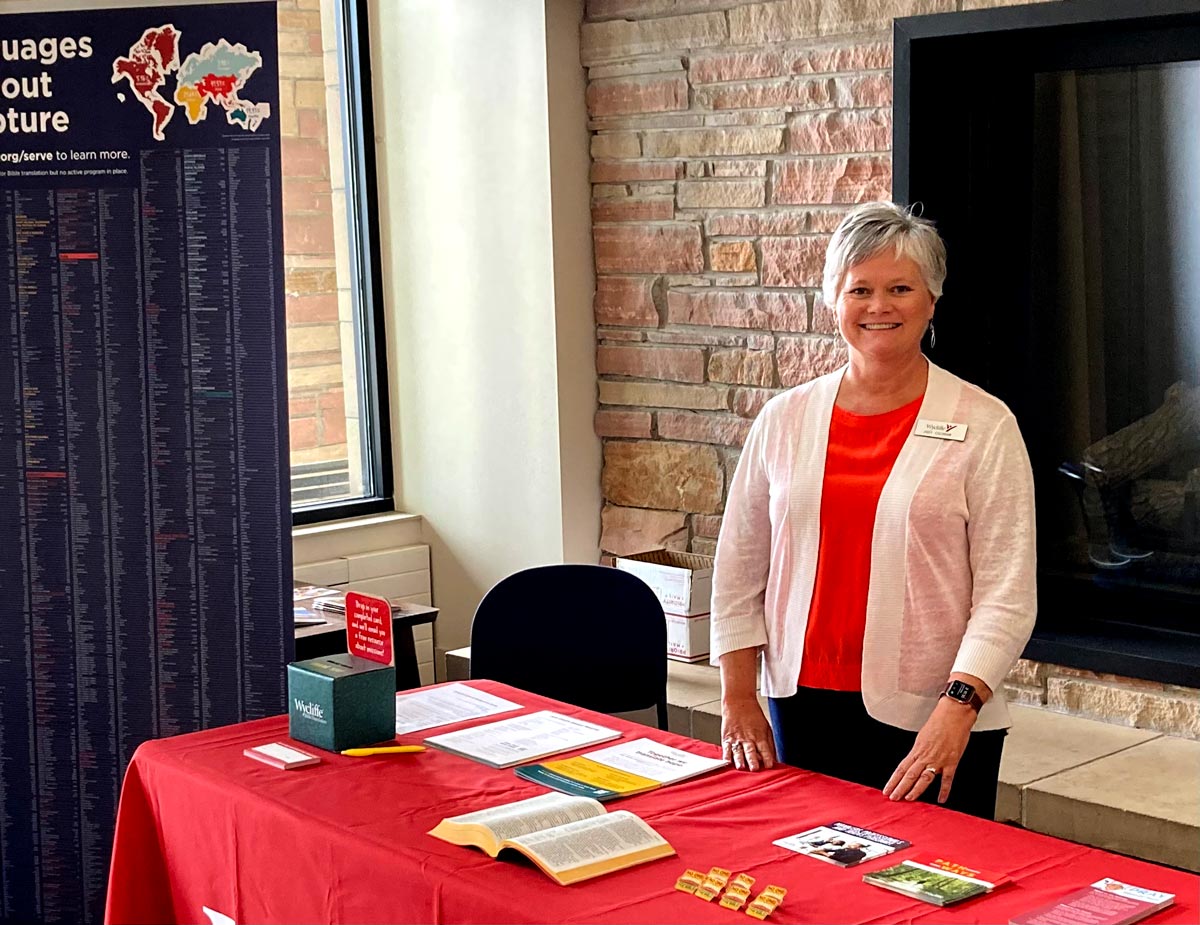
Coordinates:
[200,825]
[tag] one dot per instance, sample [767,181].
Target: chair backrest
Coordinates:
[588,635]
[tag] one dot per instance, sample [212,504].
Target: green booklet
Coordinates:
[935,880]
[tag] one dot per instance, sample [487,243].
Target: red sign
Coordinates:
[369,628]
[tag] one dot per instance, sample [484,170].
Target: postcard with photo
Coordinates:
[842,844]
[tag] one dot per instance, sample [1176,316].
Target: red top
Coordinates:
[862,450]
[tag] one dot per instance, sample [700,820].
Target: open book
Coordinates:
[569,838]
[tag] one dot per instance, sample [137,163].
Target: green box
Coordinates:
[341,701]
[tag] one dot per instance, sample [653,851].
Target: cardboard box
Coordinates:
[687,638]
[682,581]
[341,701]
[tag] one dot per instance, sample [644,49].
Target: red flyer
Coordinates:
[369,628]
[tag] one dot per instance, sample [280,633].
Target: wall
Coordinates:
[728,140]
[471,260]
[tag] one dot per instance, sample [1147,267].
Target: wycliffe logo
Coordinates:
[309,710]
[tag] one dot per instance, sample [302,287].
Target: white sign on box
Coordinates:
[687,637]
[682,581]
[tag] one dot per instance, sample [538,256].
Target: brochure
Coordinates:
[523,738]
[935,880]
[620,770]
[842,844]
[569,838]
[1105,902]
[441,706]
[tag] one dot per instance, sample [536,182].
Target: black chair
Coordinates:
[588,635]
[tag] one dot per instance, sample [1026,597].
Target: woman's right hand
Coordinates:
[746,737]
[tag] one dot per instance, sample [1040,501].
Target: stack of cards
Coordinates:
[714,882]
[737,892]
[766,902]
[690,881]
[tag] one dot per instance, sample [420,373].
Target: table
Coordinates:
[329,638]
[200,825]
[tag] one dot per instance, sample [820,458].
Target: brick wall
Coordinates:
[311,230]
[728,140]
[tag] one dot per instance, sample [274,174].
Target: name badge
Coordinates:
[941,430]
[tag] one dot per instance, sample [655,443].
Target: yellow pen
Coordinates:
[383,750]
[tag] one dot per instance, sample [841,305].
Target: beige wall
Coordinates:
[574,281]
[470,259]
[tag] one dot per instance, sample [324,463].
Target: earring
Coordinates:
[932,336]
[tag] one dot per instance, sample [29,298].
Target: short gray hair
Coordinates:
[874,226]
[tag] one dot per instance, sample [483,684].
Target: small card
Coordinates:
[279,755]
[690,881]
[941,430]
[369,628]
[707,891]
[734,900]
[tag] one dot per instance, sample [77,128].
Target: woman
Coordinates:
[878,548]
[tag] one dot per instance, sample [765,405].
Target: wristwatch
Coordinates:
[963,693]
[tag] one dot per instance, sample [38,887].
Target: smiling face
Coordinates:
[884,307]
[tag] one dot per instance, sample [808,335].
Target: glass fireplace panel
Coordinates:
[1116,353]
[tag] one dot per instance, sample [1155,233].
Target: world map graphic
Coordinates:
[215,75]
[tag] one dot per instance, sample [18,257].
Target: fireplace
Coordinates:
[1058,148]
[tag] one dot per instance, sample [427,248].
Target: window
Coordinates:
[340,460]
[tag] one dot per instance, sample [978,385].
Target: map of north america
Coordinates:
[214,75]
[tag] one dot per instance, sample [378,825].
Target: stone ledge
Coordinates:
[1133,791]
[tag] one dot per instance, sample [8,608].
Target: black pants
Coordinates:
[830,732]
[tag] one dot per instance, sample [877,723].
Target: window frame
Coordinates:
[358,136]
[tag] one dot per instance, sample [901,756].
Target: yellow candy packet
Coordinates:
[690,881]
[718,875]
[733,900]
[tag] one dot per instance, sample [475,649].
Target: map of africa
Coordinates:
[216,75]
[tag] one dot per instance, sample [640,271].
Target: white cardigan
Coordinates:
[953,567]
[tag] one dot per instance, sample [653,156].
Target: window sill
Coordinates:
[355,536]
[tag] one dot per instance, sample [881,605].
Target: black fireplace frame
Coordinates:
[962,106]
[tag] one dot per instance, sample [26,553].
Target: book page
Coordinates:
[442,706]
[522,738]
[653,760]
[511,820]
[578,843]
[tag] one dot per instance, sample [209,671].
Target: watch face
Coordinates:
[960,691]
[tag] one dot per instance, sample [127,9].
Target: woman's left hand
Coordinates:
[938,749]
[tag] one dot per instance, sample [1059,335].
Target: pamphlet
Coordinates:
[935,880]
[441,706]
[569,838]
[620,770]
[523,738]
[282,756]
[842,844]
[306,616]
[312,592]
[1105,902]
